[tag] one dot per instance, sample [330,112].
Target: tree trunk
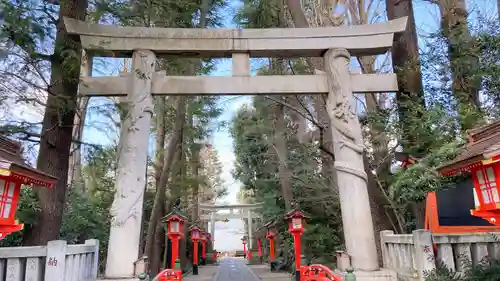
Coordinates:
[418,210]
[406,65]
[75,159]
[57,128]
[160,197]
[195,166]
[464,64]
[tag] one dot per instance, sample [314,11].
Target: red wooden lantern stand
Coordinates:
[175,231]
[296,219]
[259,249]
[13,174]
[244,242]
[270,235]
[203,247]
[214,256]
[195,237]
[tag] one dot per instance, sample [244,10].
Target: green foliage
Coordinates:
[487,270]
[412,184]
[259,14]
[257,169]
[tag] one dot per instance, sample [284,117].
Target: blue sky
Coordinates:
[228,235]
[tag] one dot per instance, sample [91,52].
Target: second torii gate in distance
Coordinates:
[246,213]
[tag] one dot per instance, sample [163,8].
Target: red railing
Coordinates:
[317,272]
[169,275]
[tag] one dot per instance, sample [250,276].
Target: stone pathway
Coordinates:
[205,273]
[262,272]
[234,269]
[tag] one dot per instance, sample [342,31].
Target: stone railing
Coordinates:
[55,262]
[410,255]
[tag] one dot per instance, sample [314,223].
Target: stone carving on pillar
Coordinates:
[140,111]
[348,148]
[126,210]
[341,108]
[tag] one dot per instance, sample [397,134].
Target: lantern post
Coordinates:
[270,235]
[210,248]
[175,230]
[203,247]
[244,242]
[259,244]
[195,237]
[296,221]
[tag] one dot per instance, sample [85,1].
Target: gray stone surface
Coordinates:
[233,269]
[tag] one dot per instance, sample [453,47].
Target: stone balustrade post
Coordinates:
[95,257]
[424,252]
[55,263]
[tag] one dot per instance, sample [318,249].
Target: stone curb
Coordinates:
[216,274]
[253,273]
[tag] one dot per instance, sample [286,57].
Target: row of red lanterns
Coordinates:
[296,221]
[175,227]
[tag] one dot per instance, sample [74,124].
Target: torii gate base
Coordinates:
[335,45]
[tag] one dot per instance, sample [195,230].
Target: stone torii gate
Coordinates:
[243,215]
[335,44]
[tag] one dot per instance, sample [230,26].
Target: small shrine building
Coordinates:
[481,158]
[14,173]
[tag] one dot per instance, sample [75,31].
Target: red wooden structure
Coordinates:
[195,237]
[317,272]
[296,222]
[481,158]
[204,245]
[175,231]
[169,275]
[14,173]
[244,242]
[270,235]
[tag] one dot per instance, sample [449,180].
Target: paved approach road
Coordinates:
[232,269]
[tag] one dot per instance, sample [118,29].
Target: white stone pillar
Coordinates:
[126,210]
[212,225]
[348,148]
[250,230]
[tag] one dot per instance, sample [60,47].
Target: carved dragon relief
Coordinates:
[129,195]
[125,205]
[339,103]
[340,109]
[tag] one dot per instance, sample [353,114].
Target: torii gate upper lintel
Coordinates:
[334,44]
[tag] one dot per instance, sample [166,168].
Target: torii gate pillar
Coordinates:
[126,210]
[348,147]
